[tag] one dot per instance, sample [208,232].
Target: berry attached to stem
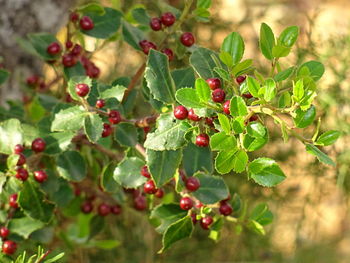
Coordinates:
[206,222]
[186,203]
[107,130]
[40,176]
[226,107]
[149,187]
[214,83]
[193,116]
[38,145]
[104,209]
[4,232]
[218,95]
[192,184]
[53,49]
[155,24]
[82,89]
[180,112]
[114,117]
[240,79]
[100,103]
[168,19]
[187,39]
[225,208]
[86,23]
[13,201]
[202,140]
[145,172]
[22,174]
[9,247]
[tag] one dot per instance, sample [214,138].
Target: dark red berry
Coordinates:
[68,98]
[21,159]
[104,209]
[74,17]
[86,207]
[149,187]
[218,95]
[33,80]
[93,71]
[247,95]
[193,116]
[192,184]
[40,176]
[214,83]
[82,89]
[169,53]
[148,47]
[209,121]
[202,140]
[86,23]
[145,172]
[206,222]
[116,209]
[168,19]
[253,118]
[100,103]
[140,203]
[226,107]
[180,112]
[68,60]
[13,201]
[69,44]
[76,51]
[22,174]
[107,130]
[146,129]
[155,24]
[240,79]
[114,117]
[159,193]
[143,43]
[9,247]
[187,39]
[54,48]
[186,203]
[194,217]
[225,208]
[4,232]
[38,145]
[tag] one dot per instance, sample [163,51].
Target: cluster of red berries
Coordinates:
[35,81]
[149,187]
[103,209]
[85,22]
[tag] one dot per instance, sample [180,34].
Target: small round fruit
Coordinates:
[192,184]
[240,79]
[107,130]
[38,145]
[86,23]
[86,207]
[21,159]
[159,193]
[155,24]
[247,95]
[206,222]
[149,187]
[4,232]
[22,174]
[69,44]
[93,71]
[180,112]
[68,60]
[33,80]
[77,49]
[169,53]
[40,176]
[74,17]
[13,201]
[225,208]
[226,107]
[193,116]
[9,247]
[148,47]
[218,95]
[186,203]
[187,39]
[82,89]
[194,217]
[253,118]
[145,172]
[116,209]
[114,117]
[209,121]
[53,49]
[140,203]
[104,209]
[168,19]
[100,103]
[214,83]
[202,140]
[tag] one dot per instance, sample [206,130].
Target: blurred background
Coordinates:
[311,207]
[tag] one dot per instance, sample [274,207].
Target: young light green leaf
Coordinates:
[224,123]
[242,67]
[251,143]
[127,173]
[315,68]
[226,58]
[298,90]
[234,45]
[189,98]
[321,156]
[203,90]
[224,161]
[280,51]
[240,161]
[328,138]
[304,118]
[266,41]
[283,75]
[24,226]
[269,90]
[265,172]
[10,135]
[256,129]
[222,142]
[289,36]
[253,86]
[238,107]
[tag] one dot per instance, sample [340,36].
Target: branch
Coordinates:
[134,80]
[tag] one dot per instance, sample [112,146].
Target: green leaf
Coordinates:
[40,42]
[316,69]
[104,25]
[238,107]
[253,86]
[141,16]
[169,135]
[267,41]
[132,35]
[203,63]
[93,8]
[234,45]
[116,91]
[261,214]
[212,189]
[268,90]
[24,226]
[298,90]
[4,74]
[280,51]
[158,77]
[57,142]
[265,172]
[283,75]
[107,181]
[284,100]
[224,123]
[31,200]
[242,67]
[256,129]
[197,159]
[328,138]
[289,36]
[240,161]
[224,161]
[238,125]
[188,97]
[166,214]
[226,58]
[304,118]
[203,4]
[183,77]
[10,135]
[11,161]
[126,134]
[93,127]
[321,156]
[163,165]
[104,244]
[256,227]
[178,230]
[254,143]
[222,142]
[71,166]
[203,90]
[71,119]
[76,70]
[127,173]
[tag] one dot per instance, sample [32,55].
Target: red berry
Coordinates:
[206,222]
[192,184]
[253,118]
[146,129]
[218,95]
[180,112]
[86,207]
[169,53]
[145,172]
[92,71]
[214,83]
[149,187]
[4,232]
[82,89]
[68,60]
[225,209]
[21,159]
[33,80]
[168,19]
[76,51]
[194,217]
[187,39]
[193,116]
[140,203]
[226,107]
[240,79]
[13,201]
[40,176]
[143,43]
[247,95]
[148,47]
[155,24]
[107,130]
[22,174]
[9,247]
[202,140]
[114,117]
[74,17]
[116,209]
[86,23]
[38,145]
[69,44]
[68,98]
[54,48]
[199,205]
[209,121]
[159,193]
[103,209]
[186,203]
[100,103]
